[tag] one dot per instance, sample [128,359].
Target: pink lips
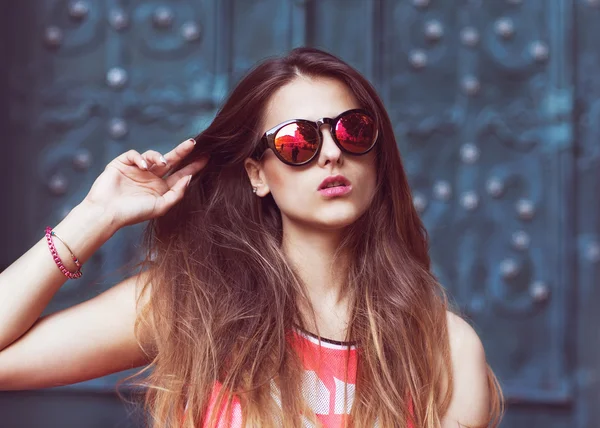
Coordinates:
[342,186]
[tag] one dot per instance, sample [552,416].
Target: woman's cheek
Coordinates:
[280,186]
[287,184]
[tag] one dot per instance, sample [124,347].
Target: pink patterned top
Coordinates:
[324,384]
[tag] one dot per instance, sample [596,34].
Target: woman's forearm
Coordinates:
[28,285]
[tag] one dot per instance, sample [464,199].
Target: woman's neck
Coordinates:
[312,254]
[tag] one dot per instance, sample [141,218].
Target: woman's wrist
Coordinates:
[85,229]
[99,216]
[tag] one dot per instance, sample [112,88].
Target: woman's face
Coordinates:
[295,189]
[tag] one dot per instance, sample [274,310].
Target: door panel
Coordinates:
[488,150]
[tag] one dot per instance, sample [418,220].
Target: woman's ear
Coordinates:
[256,175]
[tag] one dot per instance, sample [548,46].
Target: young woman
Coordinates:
[287,283]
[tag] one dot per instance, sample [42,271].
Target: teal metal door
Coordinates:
[496,109]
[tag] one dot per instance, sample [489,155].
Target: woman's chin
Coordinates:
[327,218]
[337,219]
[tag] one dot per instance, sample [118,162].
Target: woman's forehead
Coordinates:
[308,98]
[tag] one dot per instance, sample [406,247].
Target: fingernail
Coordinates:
[163,160]
[193,141]
[189,179]
[144,164]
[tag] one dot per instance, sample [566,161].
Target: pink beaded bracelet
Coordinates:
[71,275]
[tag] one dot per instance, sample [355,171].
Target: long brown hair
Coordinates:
[224,297]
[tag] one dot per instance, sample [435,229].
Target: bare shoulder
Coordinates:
[469,405]
[464,341]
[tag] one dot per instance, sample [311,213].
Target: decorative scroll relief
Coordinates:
[477,150]
[75,26]
[117,70]
[516,127]
[70,109]
[167,31]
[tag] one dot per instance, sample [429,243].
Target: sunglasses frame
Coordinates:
[268,139]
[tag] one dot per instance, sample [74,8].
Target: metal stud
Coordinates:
[163,17]
[509,269]
[118,19]
[469,36]
[539,51]
[82,159]
[190,31]
[520,240]
[78,10]
[116,77]
[419,202]
[495,187]
[469,153]
[434,30]
[53,36]
[470,85]
[525,209]
[592,252]
[117,128]
[539,291]
[469,201]
[505,28]
[58,184]
[418,58]
[442,190]
[421,3]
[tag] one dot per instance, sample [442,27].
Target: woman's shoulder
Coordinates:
[470,387]
[464,340]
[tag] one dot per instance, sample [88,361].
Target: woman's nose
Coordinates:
[330,152]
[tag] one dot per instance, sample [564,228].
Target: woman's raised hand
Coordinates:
[133,187]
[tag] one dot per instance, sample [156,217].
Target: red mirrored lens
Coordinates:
[297,142]
[356,132]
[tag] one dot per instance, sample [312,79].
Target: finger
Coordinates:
[190,169]
[180,152]
[133,158]
[154,159]
[173,195]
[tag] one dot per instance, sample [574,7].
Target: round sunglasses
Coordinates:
[298,141]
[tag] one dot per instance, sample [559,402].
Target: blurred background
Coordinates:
[496,107]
